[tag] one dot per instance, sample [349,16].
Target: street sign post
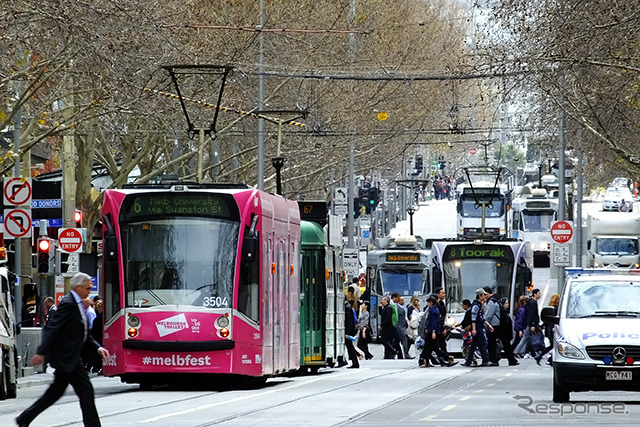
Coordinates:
[70,239]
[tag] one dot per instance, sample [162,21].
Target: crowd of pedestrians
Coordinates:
[487,329]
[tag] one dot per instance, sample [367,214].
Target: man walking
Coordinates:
[387,329]
[492,314]
[62,341]
[442,308]
[401,326]
[478,324]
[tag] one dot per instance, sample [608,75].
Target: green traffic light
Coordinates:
[372,202]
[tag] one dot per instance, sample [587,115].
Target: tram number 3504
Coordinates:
[215,302]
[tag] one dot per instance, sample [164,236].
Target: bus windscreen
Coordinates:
[402,281]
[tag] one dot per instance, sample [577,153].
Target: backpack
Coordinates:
[423,324]
[505,319]
[466,321]
[416,316]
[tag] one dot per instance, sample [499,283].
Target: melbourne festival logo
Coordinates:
[172,324]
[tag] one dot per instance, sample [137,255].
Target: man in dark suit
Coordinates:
[387,329]
[62,341]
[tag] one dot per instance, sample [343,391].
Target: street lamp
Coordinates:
[411,211]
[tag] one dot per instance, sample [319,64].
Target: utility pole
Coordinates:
[261,96]
[562,198]
[352,142]
[17,293]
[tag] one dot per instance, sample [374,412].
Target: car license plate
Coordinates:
[618,375]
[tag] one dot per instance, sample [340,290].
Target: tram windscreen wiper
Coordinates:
[210,285]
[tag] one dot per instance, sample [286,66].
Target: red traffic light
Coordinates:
[44,245]
[77,217]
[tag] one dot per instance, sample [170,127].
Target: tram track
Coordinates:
[261,393]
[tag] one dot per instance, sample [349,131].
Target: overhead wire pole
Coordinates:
[17,242]
[352,143]
[261,96]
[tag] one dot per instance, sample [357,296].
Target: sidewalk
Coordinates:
[36,379]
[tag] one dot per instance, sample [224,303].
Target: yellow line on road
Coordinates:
[448,408]
[464,398]
[429,418]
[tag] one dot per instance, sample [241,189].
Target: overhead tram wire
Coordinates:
[221,108]
[389,77]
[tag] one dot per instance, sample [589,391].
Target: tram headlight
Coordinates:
[132,332]
[133,321]
[224,332]
[222,321]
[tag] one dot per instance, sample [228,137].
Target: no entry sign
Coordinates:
[70,239]
[561,231]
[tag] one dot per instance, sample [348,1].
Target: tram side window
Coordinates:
[249,286]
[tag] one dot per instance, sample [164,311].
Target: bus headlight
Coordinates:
[224,332]
[132,332]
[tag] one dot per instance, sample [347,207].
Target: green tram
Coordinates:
[321,295]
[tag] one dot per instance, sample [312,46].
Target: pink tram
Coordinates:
[199,279]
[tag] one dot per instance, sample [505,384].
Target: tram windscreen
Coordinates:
[402,281]
[180,261]
[463,277]
[469,209]
[537,220]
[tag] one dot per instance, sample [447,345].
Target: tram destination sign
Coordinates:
[500,252]
[402,257]
[177,204]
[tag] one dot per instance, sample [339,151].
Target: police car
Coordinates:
[597,332]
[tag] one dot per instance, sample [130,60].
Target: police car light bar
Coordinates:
[576,271]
